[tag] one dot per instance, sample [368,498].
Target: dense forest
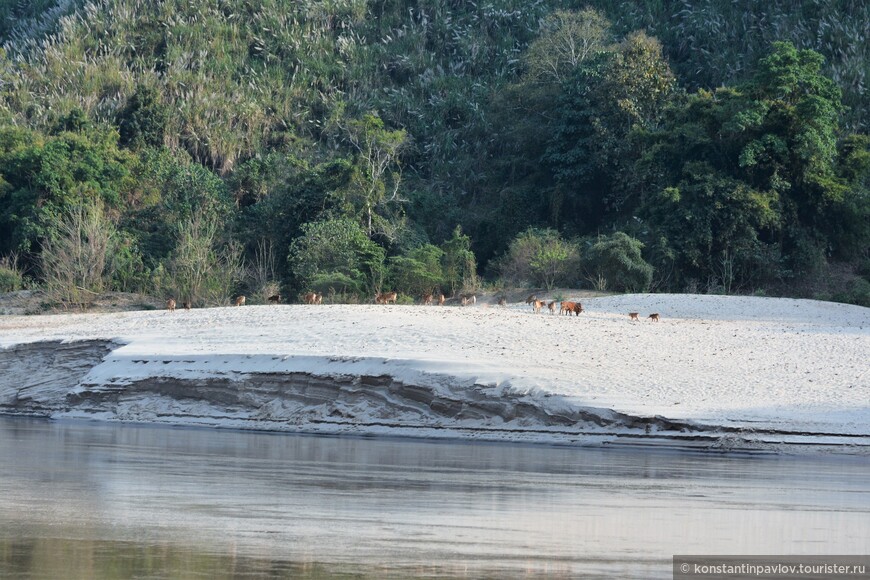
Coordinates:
[210,148]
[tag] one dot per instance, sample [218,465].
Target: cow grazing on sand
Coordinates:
[552,307]
[427,299]
[275,299]
[240,301]
[633,316]
[569,307]
[441,299]
[386,297]
[654,316]
[170,305]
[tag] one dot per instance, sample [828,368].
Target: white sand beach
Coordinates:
[760,369]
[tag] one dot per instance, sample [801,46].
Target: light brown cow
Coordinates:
[632,316]
[569,307]
[654,316]
[318,299]
[427,299]
[386,298]
[537,305]
[275,299]
[309,298]
[469,300]
[552,307]
[441,299]
[240,301]
[170,305]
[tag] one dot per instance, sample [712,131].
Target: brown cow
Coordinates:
[186,305]
[386,298]
[569,307]
[632,316]
[275,299]
[170,305]
[427,299]
[441,299]
[469,299]
[502,301]
[537,305]
[654,316]
[309,298]
[318,299]
[552,307]
[240,301]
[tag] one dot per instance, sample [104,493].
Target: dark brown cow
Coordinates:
[654,316]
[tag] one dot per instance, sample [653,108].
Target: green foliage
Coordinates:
[419,271]
[617,259]
[41,177]
[142,123]
[858,292]
[76,260]
[373,193]
[459,266]
[202,270]
[336,254]
[409,119]
[11,274]
[539,258]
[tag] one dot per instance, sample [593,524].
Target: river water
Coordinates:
[97,500]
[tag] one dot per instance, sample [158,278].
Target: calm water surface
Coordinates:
[90,500]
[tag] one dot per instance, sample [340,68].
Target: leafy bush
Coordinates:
[539,258]
[76,261]
[419,271]
[337,255]
[459,264]
[617,259]
[857,293]
[11,274]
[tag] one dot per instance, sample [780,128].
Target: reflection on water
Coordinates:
[89,500]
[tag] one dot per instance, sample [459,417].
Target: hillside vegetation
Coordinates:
[205,149]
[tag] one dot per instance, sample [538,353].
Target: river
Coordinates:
[102,500]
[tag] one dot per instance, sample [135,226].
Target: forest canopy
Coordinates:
[234,147]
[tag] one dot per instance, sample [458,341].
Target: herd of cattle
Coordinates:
[565,307]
